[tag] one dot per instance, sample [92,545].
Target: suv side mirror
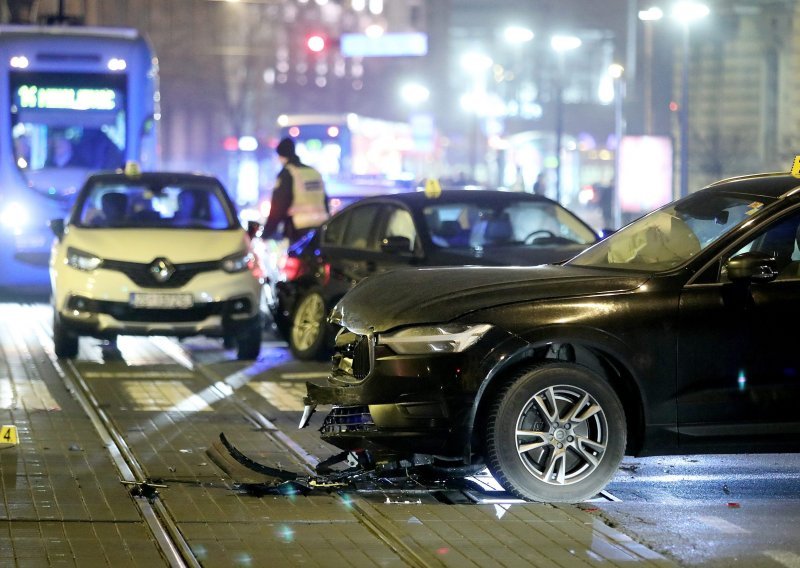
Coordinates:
[57,226]
[752,267]
[396,245]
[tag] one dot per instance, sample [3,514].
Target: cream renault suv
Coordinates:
[155,253]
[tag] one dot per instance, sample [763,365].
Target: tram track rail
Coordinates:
[171,530]
[157,517]
[308,460]
[161,524]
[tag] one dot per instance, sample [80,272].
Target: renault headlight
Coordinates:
[446,338]
[82,260]
[238,262]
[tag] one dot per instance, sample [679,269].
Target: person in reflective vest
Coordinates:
[299,202]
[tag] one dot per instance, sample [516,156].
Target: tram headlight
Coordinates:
[14,216]
[82,260]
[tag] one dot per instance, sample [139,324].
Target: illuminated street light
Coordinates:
[651,14]
[517,37]
[414,93]
[686,12]
[561,44]
[517,34]
[476,63]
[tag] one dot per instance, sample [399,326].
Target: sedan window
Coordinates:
[401,224]
[359,227]
[334,229]
[523,222]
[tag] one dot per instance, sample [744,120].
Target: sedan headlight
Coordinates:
[238,262]
[82,260]
[447,338]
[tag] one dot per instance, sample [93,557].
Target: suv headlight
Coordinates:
[446,338]
[82,260]
[238,262]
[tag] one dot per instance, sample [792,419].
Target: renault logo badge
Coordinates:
[161,269]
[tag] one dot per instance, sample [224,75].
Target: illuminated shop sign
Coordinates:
[66,98]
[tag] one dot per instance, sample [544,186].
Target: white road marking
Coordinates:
[680,478]
[784,557]
[722,525]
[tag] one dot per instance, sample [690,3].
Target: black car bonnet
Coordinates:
[434,295]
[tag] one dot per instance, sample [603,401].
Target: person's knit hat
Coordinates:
[286,148]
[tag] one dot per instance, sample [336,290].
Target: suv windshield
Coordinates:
[137,204]
[469,225]
[671,235]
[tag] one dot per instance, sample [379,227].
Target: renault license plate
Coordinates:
[162,301]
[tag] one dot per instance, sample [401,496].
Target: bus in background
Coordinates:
[73,100]
[359,156]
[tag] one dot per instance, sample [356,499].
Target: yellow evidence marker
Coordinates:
[796,166]
[8,436]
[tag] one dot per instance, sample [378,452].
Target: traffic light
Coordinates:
[316,43]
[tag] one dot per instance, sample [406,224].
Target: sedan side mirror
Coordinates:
[396,245]
[752,267]
[57,226]
[253,229]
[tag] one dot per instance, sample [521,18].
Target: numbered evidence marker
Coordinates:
[8,436]
[796,166]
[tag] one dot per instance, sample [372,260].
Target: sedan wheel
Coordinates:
[308,337]
[556,433]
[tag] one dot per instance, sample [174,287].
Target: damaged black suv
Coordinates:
[664,338]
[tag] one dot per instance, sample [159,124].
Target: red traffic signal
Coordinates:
[315,43]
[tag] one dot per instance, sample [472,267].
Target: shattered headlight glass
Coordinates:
[446,338]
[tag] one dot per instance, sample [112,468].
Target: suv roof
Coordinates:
[774,185]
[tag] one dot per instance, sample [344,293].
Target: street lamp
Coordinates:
[414,94]
[516,36]
[686,12]
[561,44]
[616,72]
[649,16]
[476,65]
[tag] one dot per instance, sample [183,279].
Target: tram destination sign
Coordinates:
[66,98]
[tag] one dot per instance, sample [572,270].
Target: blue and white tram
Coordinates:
[72,100]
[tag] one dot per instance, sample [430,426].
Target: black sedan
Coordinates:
[673,335]
[378,234]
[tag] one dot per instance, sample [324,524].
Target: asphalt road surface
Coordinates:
[693,510]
